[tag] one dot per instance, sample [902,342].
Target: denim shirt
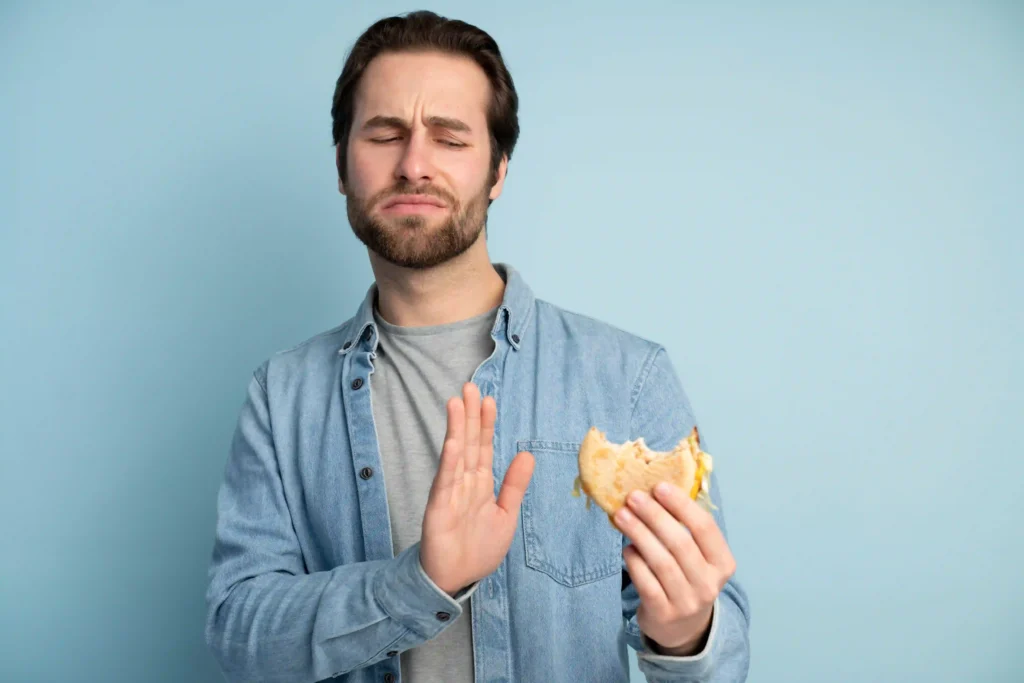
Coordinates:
[304,585]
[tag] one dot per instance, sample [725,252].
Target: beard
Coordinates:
[411,241]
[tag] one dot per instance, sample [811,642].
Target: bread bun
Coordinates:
[609,472]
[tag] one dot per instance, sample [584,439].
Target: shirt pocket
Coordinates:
[565,540]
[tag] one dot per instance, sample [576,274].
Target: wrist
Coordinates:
[446,584]
[687,649]
[450,585]
[689,646]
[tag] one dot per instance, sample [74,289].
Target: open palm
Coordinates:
[467,530]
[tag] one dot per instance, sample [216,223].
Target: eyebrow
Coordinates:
[454,125]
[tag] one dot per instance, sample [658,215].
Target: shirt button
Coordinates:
[515,338]
[366,472]
[443,616]
[357,383]
[389,677]
[393,653]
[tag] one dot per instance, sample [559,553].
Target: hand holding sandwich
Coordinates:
[678,558]
[679,561]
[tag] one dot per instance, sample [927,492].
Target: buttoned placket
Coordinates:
[489,608]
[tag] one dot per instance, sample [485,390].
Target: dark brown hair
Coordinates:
[424,30]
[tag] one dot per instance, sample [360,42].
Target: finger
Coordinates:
[658,558]
[451,451]
[647,586]
[676,539]
[471,396]
[458,501]
[702,525]
[517,479]
[488,414]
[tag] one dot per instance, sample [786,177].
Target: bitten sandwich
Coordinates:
[609,472]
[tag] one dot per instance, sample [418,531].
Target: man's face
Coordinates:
[419,177]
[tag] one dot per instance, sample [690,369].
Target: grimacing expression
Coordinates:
[419,179]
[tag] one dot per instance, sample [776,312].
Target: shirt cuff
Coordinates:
[466,593]
[407,595]
[698,666]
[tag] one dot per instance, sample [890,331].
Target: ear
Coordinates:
[499,181]
[337,164]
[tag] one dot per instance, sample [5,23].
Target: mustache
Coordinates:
[408,189]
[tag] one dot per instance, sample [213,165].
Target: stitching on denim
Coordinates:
[641,382]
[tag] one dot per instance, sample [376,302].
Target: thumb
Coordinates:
[513,488]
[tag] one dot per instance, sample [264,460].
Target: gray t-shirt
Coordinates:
[416,371]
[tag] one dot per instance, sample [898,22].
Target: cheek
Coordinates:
[367,174]
[472,177]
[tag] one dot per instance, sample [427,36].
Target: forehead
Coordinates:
[421,84]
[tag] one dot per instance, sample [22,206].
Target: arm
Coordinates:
[662,415]
[270,620]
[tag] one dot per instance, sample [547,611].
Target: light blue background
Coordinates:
[819,211]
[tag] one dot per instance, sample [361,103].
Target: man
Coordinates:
[396,504]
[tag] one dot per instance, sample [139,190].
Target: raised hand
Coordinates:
[467,531]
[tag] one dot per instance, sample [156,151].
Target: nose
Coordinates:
[415,165]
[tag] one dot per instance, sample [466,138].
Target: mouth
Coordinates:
[413,203]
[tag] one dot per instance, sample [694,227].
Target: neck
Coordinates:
[461,288]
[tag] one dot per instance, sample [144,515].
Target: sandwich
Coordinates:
[608,472]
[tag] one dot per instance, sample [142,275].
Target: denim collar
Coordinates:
[511,323]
